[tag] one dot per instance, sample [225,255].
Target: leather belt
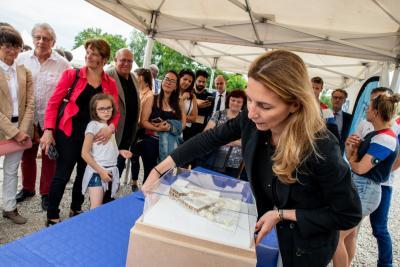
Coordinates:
[14,119]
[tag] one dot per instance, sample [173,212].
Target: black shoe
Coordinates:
[73,213]
[23,195]
[135,188]
[52,222]
[45,202]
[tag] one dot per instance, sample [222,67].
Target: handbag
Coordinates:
[67,97]
[11,146]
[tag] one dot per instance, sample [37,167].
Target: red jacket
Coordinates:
[107,83]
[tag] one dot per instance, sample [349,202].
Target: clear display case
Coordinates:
[201,205]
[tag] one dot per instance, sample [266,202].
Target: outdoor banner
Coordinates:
[362,102]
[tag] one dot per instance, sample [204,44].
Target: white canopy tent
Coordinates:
[78,59]
[341,41]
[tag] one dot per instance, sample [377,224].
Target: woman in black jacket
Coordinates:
[294,165]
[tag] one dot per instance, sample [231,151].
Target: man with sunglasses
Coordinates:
[46,66]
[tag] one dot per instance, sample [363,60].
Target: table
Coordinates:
[96,238]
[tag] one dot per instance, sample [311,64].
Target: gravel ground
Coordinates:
[366,244]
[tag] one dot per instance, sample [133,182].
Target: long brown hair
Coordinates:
[173,99]
[285,74]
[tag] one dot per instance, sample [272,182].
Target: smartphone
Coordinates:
[156,120]
[52,153]
[210,98]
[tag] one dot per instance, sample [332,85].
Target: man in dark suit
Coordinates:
[343,119]
[129,105]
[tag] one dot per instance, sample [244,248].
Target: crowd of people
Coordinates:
[312,181]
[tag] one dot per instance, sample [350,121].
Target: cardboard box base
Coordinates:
[151,246]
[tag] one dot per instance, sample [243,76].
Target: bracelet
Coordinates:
[280,215]
[159,173]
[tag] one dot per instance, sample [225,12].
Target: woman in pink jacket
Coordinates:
[68,135]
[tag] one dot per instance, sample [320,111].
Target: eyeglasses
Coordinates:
[104,109]
[44,38]
[337,98]
[124,61]
[168,80]
[10,47]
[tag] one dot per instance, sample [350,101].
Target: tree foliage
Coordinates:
[163,56]
[326,98]
[168,59]
[233,80]
[115,41]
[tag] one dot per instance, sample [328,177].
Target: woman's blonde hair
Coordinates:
[285,74]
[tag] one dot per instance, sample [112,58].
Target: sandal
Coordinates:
[50,222]
[73,213]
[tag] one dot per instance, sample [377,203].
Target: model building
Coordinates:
[206,203]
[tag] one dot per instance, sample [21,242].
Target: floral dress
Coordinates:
[235,158]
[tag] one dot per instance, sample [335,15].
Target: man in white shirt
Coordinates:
[220,97]
[46,66]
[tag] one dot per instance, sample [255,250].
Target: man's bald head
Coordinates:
[123,62]
[220,83]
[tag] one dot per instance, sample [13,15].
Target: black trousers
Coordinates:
[69,150]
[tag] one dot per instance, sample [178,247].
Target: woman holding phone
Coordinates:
[157,110]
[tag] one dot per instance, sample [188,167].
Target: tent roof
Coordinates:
[228,34]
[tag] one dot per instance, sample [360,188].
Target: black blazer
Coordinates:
[347,119]
[325,199]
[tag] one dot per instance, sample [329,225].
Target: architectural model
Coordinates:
[207,203]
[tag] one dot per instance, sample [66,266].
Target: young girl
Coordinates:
[101,159]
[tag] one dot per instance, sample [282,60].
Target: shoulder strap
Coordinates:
[190,105]
[71,89]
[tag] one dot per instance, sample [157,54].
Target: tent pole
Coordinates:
[148,52]
[211,79]
[384,77]
[395,84]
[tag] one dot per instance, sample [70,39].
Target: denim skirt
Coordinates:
[369,193]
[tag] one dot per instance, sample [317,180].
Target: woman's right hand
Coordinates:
[151,179]
[156,172]
[105,176]
[351,145]
[47,140]
[164,126]
[353,140]
[21,137]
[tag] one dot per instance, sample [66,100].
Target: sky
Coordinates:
[67,18]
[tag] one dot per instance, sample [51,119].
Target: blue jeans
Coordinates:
[369,193]
[379,219]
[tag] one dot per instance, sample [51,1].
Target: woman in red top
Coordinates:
[68,135]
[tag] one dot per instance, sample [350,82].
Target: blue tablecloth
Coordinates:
[96,238]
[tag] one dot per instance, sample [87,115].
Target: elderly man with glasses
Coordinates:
[46,66]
